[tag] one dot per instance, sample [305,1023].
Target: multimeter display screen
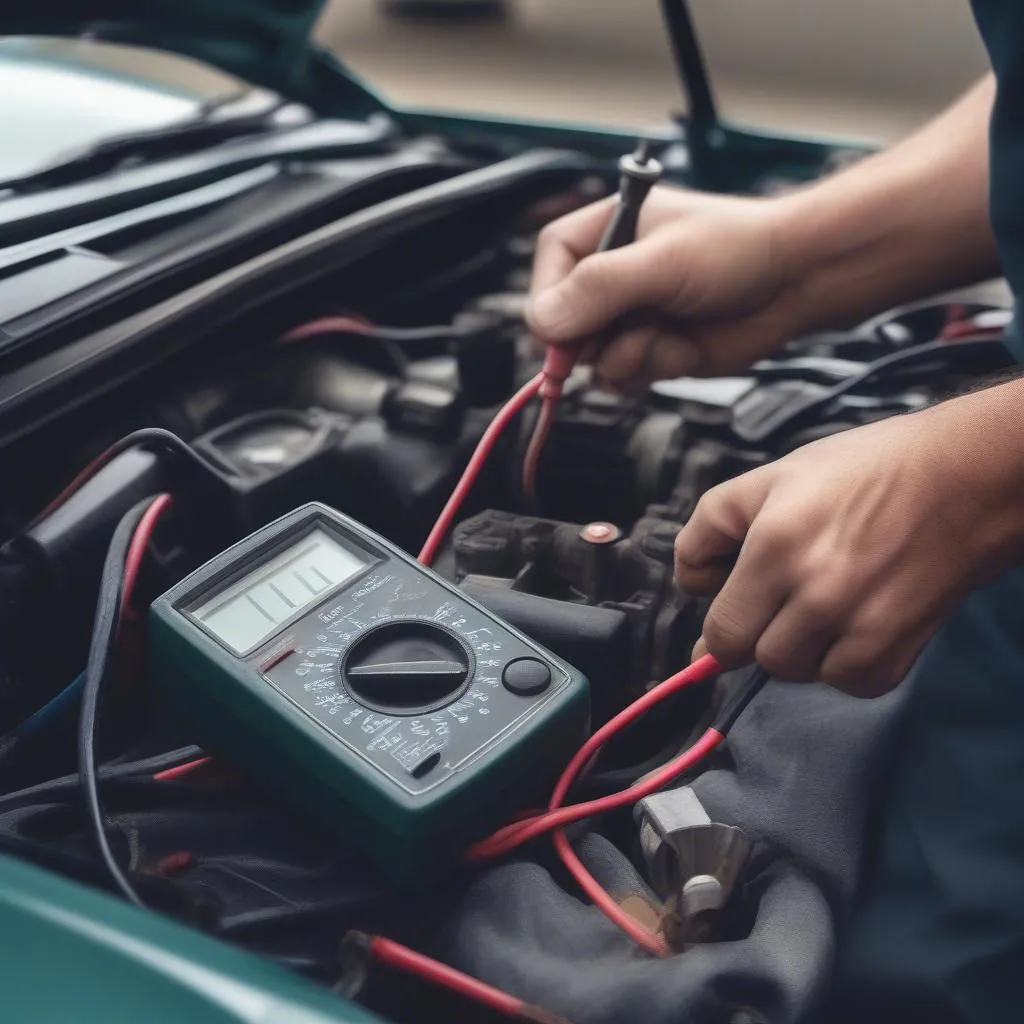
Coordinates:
[250,610]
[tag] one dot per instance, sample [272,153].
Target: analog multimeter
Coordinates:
[365,689]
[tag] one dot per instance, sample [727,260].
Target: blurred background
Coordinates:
[861,68]
[856,69]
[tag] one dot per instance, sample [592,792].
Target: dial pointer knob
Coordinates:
[406,667]
[452,669]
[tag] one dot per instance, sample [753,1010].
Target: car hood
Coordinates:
[264,42]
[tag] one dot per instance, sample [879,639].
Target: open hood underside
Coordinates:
[264,42]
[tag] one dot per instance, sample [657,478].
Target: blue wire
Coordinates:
[56,706]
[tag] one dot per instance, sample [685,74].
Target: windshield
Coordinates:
[857,68]
[72,93]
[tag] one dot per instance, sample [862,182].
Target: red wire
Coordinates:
[559,361]
[513,835]
[132,564]
[601,899]
[541,430]
[642,936]
[80,478]
[328,325]
[174,863]
[476,463]
[393,954]
[966,329]
[179,771]
[140,543]
[517,833]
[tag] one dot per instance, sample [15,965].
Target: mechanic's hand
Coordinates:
[702,292]
[849,552]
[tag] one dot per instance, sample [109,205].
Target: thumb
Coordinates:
[600,289]
[700,648]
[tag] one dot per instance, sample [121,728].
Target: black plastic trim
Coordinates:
[78,372]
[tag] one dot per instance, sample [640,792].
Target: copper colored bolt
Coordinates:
[600,533]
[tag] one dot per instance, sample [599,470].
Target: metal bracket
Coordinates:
[694,863]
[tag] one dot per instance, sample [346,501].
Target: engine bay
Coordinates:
[366,388]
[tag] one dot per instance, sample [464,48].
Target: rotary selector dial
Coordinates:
[406,667]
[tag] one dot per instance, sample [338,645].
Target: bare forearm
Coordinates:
[900,225]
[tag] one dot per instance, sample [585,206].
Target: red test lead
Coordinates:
[360,948]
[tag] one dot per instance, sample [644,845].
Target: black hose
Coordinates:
[97,671]
[131,772]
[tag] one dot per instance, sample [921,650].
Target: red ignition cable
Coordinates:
[638,173]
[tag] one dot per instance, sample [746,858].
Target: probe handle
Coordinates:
[638,173]
[621,228]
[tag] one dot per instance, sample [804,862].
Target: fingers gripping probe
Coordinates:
[638,174]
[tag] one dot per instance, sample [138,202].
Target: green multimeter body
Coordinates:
[365,689]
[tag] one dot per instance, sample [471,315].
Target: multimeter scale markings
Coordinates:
[403,678]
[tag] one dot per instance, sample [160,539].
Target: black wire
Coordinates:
[268,918]
[383,332]
[146,437]
[133,771]
[900,358]
[451,275]
[434,332]
[104,637]
[736,704]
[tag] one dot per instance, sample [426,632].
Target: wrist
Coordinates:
[975,452]
[898,226]
[840,255]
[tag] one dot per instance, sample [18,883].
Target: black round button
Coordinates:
[526,676]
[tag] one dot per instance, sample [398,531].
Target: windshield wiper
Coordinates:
[251,112]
